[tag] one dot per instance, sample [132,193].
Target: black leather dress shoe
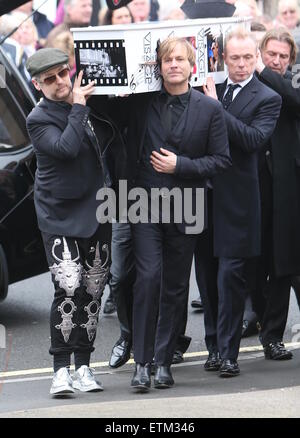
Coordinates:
[120,353]
[197,304]
[277,351]
[213,362]
[177,357]
[250,327]
[142,377]
[163,377]
[229,368]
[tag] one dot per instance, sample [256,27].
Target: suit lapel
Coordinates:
[143,125]
[221,90]
[244,97]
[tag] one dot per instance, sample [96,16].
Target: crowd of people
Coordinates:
[239,141]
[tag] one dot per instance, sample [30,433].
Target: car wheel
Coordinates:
[3,275]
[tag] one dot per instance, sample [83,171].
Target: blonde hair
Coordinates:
[169,44]
[241,33]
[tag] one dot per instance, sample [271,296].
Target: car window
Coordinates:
[13,133]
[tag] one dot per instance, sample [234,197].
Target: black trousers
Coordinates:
[74,313]
[163,258]
[271,296]
[123,276]
[223,292]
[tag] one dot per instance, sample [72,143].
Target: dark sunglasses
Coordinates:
[51,79]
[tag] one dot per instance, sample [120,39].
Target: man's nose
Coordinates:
[276,59]
[58,79]
[241,62]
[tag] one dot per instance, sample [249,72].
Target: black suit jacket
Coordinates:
[285,149]
[250,121]
[203,151]
[70,167]
[204,146]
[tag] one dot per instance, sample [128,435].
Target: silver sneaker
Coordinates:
[85,381]
[62,382]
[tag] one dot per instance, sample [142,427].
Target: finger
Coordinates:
[210,81]
[158,161]
[87,88]
[166,152]
[157,155]
[87,92]
[157,168]
[78,79]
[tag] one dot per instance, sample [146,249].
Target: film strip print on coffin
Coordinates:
[103,61]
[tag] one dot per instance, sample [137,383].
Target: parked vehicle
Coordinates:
[21,249]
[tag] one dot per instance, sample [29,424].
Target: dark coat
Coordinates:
[203,151]
[204,146]
[70,167]
[285,148]
[250,120]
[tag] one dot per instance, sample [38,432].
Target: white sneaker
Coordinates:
[62,382]
[85,381]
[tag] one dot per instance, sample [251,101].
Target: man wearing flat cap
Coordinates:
[71,168]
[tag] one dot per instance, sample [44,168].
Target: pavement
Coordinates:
[264,389]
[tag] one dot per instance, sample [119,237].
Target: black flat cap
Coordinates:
[207,9]
[44,59]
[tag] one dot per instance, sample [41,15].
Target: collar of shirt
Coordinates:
[183,98]
[237,90]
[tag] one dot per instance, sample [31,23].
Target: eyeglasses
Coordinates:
[291,11]
[51,79]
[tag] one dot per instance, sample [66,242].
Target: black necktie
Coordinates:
[229,95]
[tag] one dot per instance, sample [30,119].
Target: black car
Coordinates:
[21,249]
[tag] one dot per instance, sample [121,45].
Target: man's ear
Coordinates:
[36,84]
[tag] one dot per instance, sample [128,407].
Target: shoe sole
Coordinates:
[163,385]
[227,374]
[80,388]
[140,388]
[216,368]
[279,358]
[176,362]
[62,392]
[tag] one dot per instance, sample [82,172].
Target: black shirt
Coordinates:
[165,128]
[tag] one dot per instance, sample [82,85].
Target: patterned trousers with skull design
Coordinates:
[80,269]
